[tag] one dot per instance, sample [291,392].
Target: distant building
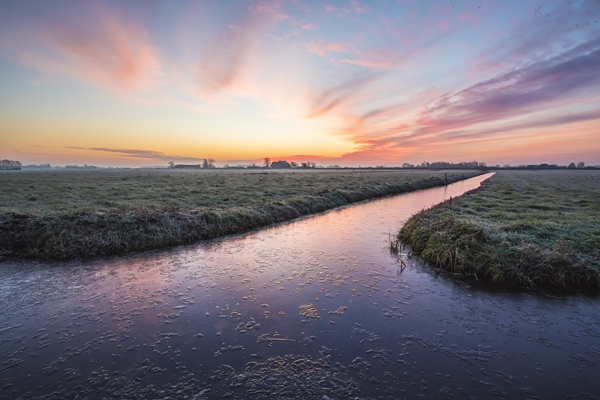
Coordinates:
[542,166]
[281,164]
[187,166]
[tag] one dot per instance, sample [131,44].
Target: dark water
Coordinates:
[222,319]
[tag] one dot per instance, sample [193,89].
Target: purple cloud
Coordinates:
[546,30]
[137,153]
[540,84]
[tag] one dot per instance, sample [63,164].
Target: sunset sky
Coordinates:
[139,83]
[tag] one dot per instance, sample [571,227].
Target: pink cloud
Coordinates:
[444,25]
[309,26]
[330,8]
[367,63]
[321,47]
[507,107]
[226,56]
[265,8]
[361,9]
[111,50]
[301,6]
[388,58]
[466,17]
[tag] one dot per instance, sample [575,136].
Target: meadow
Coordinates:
[81,214]
[525,228]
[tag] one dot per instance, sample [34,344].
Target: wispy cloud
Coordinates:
[322,47]
[137,153]
[546,30]
[359,8]
[367,63]
[483,133]
[515,100]
[110,49]
[342,94]
[512,93]
[229,53]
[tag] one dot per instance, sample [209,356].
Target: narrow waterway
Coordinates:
[313,309]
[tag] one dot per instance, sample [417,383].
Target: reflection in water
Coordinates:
[315,308]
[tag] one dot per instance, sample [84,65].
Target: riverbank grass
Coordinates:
[82,214]
[520,227]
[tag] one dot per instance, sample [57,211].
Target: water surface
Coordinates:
[223,319]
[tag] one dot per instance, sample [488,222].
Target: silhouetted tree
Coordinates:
[580,164]
[267,162]
[572,166]
[208,163]
[9,164]
[171,164]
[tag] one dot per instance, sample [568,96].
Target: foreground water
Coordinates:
[316,308]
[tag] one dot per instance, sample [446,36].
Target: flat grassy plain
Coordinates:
[81,214]
[524,228]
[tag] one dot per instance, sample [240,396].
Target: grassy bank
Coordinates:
[82,214]
[520,227]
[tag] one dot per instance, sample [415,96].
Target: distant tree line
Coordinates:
[207,163]
[84,166]
[482,165]
[444,164]
[37,166]
[579,165]
[9,164]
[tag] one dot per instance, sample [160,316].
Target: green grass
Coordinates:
[520,227]
[81,214]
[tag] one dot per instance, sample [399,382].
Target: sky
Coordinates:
[349,82]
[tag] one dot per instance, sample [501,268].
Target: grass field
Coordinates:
[520,227]
[80,214]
